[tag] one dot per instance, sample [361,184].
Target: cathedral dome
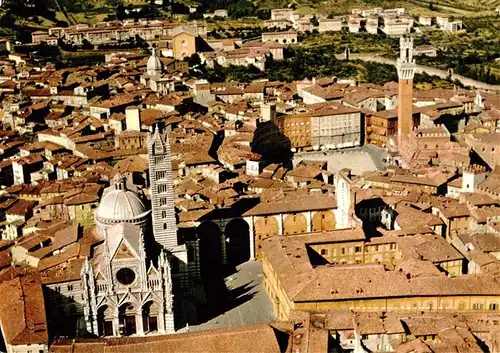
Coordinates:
[154,65]
[121,205]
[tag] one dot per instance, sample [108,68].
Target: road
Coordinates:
[427,69]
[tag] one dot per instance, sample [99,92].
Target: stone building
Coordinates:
[372,25]
[381,127]
[288,37]
[128,286]
[331,126]
[397,26]
[184,42]
[330,24]
[338,270]
[282,14]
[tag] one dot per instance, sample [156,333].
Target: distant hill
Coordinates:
[455,7]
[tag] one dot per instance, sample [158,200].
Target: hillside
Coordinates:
[454,7]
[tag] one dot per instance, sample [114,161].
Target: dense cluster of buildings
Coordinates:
[391,22]
[180,40]
[124,185]
[174,40]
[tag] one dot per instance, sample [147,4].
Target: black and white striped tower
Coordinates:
[162,193]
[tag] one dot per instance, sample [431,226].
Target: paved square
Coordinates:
[256,309]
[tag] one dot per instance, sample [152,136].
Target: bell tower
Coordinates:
[406,71]
[162,194]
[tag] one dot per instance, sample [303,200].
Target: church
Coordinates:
[155,77]
[130,280]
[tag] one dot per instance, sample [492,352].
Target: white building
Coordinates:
[128,286]
[330,24]
[282,14]
[425,21]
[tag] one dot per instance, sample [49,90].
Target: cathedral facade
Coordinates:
[130,280]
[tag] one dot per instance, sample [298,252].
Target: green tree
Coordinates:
[87,45]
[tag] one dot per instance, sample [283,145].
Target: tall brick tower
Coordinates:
[406,71]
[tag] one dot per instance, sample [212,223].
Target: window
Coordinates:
[342,251]
[190,253]
[70,287]
[160,175]
[324,252]
[493,306]
[357,249]
[125,276]
[477,306]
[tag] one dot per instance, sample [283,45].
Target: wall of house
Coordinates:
[409,304]
[282,305]
[25,348]
[341,253]
[293,223]
[336,131]
[65,299]
[184,45]
[297,129]
[83,214]
[452,268]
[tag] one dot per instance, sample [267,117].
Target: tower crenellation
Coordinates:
[406,64]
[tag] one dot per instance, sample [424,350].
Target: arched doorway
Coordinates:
[237,234]
[265,227]
[126,319]
[295,224]
[150,314]
[210,238]
[323,221]
[105,321]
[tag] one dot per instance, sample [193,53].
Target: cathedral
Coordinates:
[154,77]
[130,280]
